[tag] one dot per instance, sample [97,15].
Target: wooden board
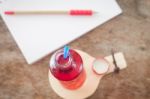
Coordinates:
[92,81]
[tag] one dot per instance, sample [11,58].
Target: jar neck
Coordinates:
[61,62]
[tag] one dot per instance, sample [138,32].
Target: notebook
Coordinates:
[39,35]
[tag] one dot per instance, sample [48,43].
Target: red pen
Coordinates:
[71,12]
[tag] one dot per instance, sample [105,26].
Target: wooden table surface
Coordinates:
[129,33]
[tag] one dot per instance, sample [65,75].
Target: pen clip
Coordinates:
[116,69]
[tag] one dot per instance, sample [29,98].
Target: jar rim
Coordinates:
[60,53]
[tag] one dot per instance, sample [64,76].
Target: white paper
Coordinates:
[39,35]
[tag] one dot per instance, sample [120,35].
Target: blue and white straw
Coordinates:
[66,51]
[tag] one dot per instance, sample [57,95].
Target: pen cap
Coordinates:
[81,12]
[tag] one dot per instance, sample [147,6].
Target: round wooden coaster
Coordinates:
[87,89]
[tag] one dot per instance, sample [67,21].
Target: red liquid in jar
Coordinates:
[68,71]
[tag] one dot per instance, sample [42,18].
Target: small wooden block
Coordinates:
[92,81]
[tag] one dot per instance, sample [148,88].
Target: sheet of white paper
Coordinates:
[38,35]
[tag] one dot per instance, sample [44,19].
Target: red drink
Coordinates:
[68,71]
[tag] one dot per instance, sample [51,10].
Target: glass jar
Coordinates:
[69,71]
